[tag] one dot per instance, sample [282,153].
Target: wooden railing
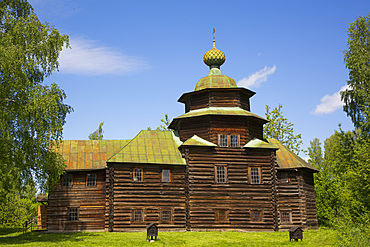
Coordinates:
[30,224]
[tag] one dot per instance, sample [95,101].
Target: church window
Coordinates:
[223,140]
[166,216]
[138,175]
[256,215]
[137,216]
[285,216]
[166,175]
[234,141]
[72,214]
[91,180]
[255,175]
[221,174]
[221,215]
[284,177]
[228,140]
[67,179]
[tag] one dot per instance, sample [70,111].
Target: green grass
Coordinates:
[14,237]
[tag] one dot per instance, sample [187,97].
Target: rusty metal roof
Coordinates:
[257,143]
[231,111]
[151,147]
[88,154]
[286,159]
[197,141]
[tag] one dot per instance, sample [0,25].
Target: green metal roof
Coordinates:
[197,141]
[88,154]
[230,111]
[257,143]
[153,147]
[215,81]
[286,159]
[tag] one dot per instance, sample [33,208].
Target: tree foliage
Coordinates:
[357,59]
[347,158]
[326,185]
[97,134]
[32,114]
[280,129]
[166,122]
[353,168]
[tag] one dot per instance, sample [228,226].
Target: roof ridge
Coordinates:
[124,146]
[289,157]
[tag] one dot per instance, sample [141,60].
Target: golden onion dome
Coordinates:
[214,58]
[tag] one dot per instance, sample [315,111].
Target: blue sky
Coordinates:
[131,60]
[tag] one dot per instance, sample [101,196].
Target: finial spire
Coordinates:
[214,58]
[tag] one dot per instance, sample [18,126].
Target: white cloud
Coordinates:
[306,158]
[330,103]
[257,78]
[89,58]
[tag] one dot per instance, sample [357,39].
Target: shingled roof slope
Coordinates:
[88,154]
[286,159]
[198,141]
[151,147]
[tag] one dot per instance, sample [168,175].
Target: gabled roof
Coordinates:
[151,147]
[197,141]
[286,159]
[257,143]
[88,154]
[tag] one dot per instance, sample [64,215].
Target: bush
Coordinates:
[14,210]
[351,234]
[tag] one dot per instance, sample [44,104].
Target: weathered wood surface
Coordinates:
[235,97]
[151,196]
[298,197]
[238,196]
[193,196]
[89,200]
[210,127]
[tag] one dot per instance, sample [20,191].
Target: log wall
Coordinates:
[210,127]
[297,196]
[218,98]
[237,196]
[151,196]
[310,199]
[90,202]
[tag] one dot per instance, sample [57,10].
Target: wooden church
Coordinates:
[212,171]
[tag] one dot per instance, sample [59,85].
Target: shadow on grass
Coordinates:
[15,236]
[7,231]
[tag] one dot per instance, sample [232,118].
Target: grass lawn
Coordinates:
[14,237]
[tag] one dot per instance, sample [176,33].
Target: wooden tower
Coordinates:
[228,185]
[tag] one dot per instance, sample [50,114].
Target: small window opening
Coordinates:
[284,177]
[223,141]
[256,215]
[234,141]
[91,180]
[138,216]
[138,174]
[255,175]
[166,216]
[67,180]
[166,175]
[285,217]
[72,214]
[221,215]
[220,174]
